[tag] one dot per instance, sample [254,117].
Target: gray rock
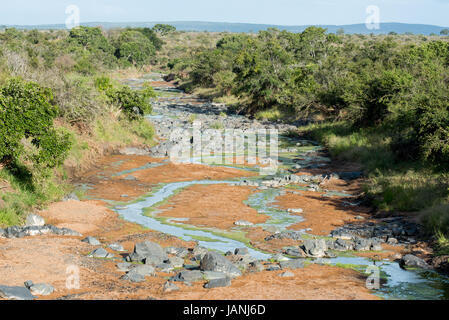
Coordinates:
[218,283]
[100,253]
[213,261]
[41,289]
[243,223]
[414,262]
[292,264]
[116,247]
[295,252]
[273,267]
[2,232]
[170,286]
[125,266]
[199,252]
[241,251]
[133,277]
[343,245]
[165,267]
[188,276]
[92,241]
[176,262]
[363,245]
[392,241]
[148,252]
[179,252]
[287,274]
[71,197]
[213,275]
[15,293]
[144,270]
[33,220]
[376,247]
[315,248]
[256,266]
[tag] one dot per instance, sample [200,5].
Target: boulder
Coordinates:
[116,247]
[170,286]
[15,293]
[33,220]
[218,283]
[148,252]
[41,289]
[100,253]
[287,274]
[92,241]
[176,262]
[214,261]
[315,248]
[292,264]
[414,262]
[188,276]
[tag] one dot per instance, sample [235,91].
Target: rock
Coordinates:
[2,232]
[279,257]
[241,251]
[273,267]
[213,275]
[92,241]
[28,284]
[165,267]
[295,252]
[15,293]
[392,241]
[414,262]
[295,210]
[441,263]
[144,270]
[218,283]
[256,266]
[33,220]
[179,252]
[363,245]
[376,247]
[170,286]
[243,223]
[188,276]
[133,277]
[292,264]
[100,253]
[176,262]
[71,197]
[343,245]
[148,252]
[125,266]
[41,289]
[199,252]
[213,261]
[116,247]
[315,248]
[287,274]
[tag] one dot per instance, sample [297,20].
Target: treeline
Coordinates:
[56,90]
[397,84]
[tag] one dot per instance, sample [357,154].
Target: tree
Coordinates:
[444,32]
[341,31]
[90,39]
[151,35]
[134,47]
[164,29]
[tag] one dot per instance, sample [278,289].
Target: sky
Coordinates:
[281,12]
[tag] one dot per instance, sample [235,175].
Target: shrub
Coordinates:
[134,103]
[27,112]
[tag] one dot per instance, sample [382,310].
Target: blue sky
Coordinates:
[286,12]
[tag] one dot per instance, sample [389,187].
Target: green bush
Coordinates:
[134,103]
[27,112]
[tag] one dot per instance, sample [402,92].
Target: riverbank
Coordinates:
[301,234]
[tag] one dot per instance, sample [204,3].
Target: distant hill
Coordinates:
[248,27]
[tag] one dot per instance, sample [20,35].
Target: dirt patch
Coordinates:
[188,172]
[322,214]
[213,206]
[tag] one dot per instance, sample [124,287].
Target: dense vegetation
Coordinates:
[384,101]
[58,104]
